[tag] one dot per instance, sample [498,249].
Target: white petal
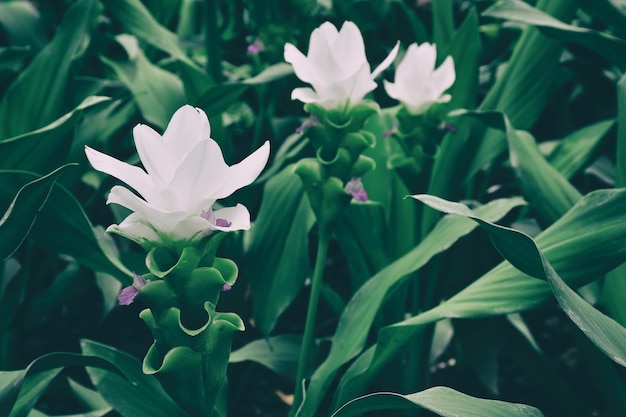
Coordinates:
[154,154]
[392,90]
[348,50]
[131,175]
[361,84]
[191,228]
[238,216]
[188,126]
[425,58]
[444,76]
[161,220]
[301,66]
[305,95]
[387,61]
[245,172]
[200,175]
[135,229]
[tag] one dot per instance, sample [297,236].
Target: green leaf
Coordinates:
[440,400]
[575,150]
[39,95]
[43,149]
[612,48]
[22,211]
[136,20]
[544,187]
[362,235]
[220,96]
[358,316]
[582,245]
[18,398]
[615,282]
[63,227]
[21,21]
[522,251]
[443,22]
[609,11]
[271,73]
[465,48]
[522,90]
[278,353]
[277,271]
[137,395]
[157,92]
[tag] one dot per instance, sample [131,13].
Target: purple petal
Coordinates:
[354,187]
[127,295]
[226,287]
[222,223]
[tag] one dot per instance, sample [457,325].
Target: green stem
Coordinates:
[309,326]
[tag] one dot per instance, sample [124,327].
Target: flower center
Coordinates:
[222,223]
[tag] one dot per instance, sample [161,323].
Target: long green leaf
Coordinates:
[136,20]
[615,282]
[22,211]
[277,271]
[522,251]
[39,95]
[358,316]
[612,48]
[157,92]
[45,148]
[278,353]
[440,400]
[18,398]
[584,244]
[465,48]
[544,187]
[573,152]
[21,22]
[137,395]
[63,227]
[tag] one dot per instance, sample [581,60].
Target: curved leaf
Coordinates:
[278,353]
[612,48]
[523,253]
[39,95]
[22,211]
[358,316]
[441,400]
[137,395]
[583,245]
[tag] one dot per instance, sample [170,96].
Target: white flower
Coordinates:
[418,84]
[184,175]
[336,66]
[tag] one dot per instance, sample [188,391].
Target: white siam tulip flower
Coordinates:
[336,66]
[418,84]
[185,173]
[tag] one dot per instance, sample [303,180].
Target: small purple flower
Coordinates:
[449,127]
[390,132]
[354,187]
[128,294]
[307,124]
[226,287]
[256,47]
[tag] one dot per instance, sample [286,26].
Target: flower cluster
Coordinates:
[337,69]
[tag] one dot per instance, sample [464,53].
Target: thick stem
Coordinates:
[309,327]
